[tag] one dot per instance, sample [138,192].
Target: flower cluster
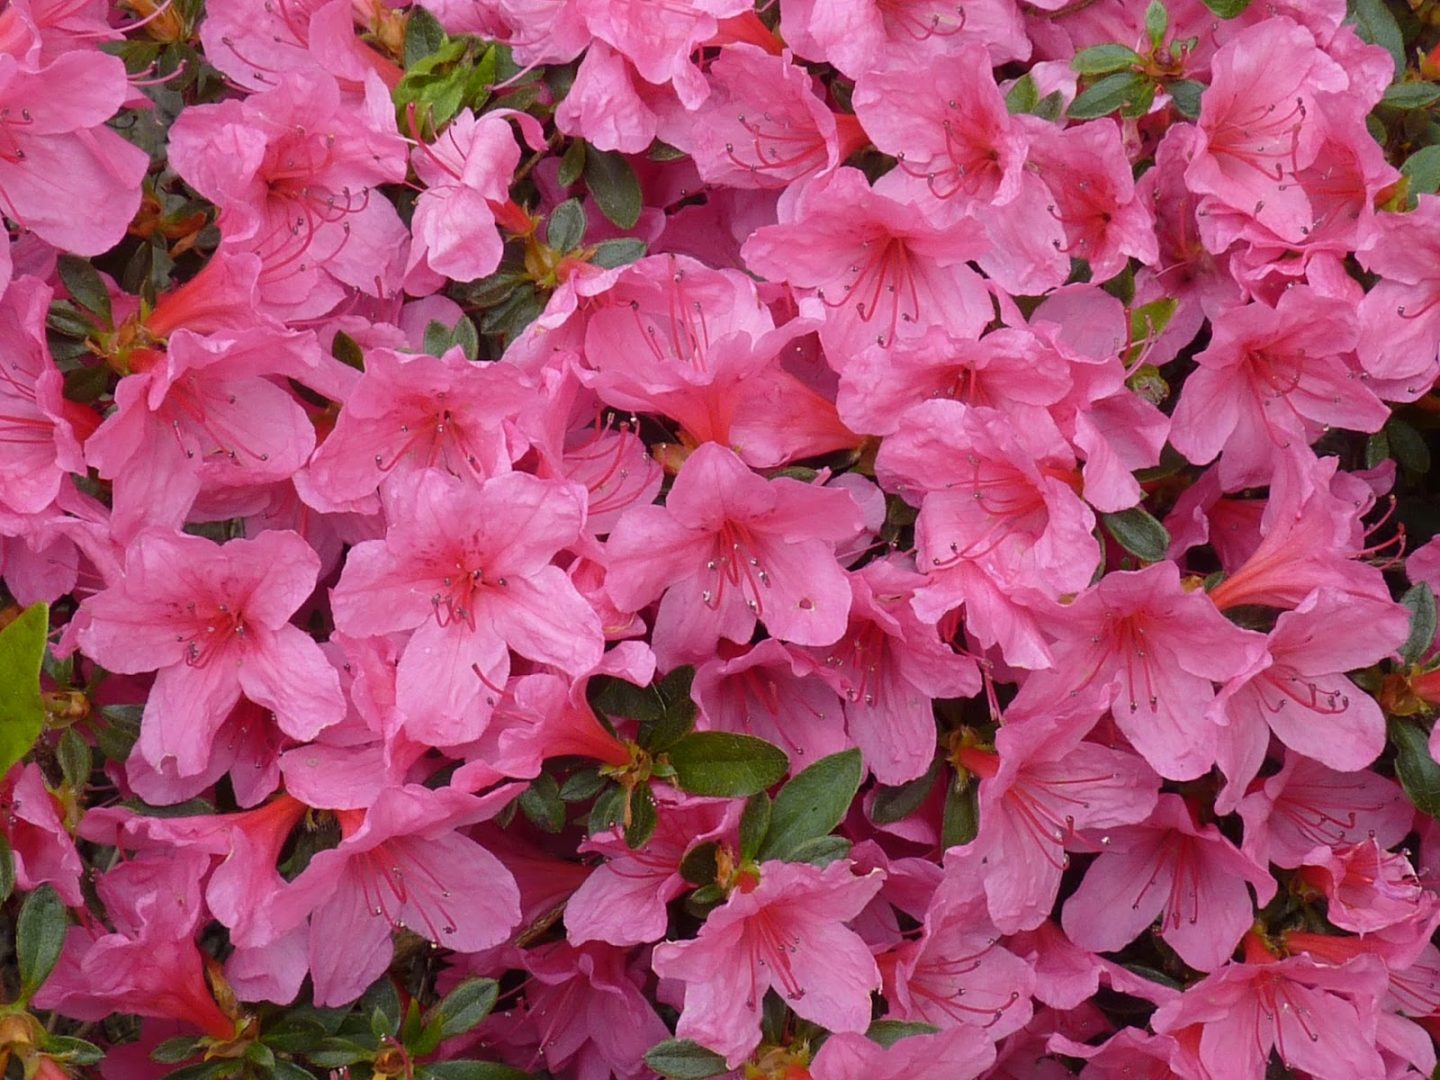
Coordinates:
[827,540]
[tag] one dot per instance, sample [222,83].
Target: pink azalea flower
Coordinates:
[1129,1054]
[1040,785]
[41,847]
[659,41]
[1168,866]
[730,548]
[1306,805]
[1271,377]
[960,1053]
[956,974]
[1366,888]
[1320,1019]
[213,622]
[255,43]
[1301,694]
[1154,651]
[883,268]
[208,414]
[773,691]
[38,445]
[293,169]
[623,901]
[609,105]
[468,569]
[402,864]
[63,173]
[408,414]
[785,932]
[763,126]
[149,964]
[1400,316]
[889,666]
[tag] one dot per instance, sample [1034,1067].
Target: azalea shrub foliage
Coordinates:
[834,539]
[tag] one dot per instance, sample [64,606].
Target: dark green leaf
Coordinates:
[616,697]
[467,337]
[205,1070]
[1377,449]
[1415,768]
[681,1059]
[888,1032]
[566,227]
[466,1006]
[1185,93]
[541,803]
[821,851]
[1411,95]
[22,713]
[812,803]
[85,286]
[381,1004]
[335,1053]
[582,785]
[469,1070]
[64,318]
[1023,96]
[288,1070]
[1051,107]
[7,869]
[960,820]
[894,804]
[1157,23]
[437,339]
[677,712]
[610,254]
[423,35]
[612,182]
[1407,445]
[1138,532]
[724,764]
[1139,103]
[71,1050]
[1422,169]
[572,163]
[1107,95]
[754,824]
[608,811]
[174,1051]
[643,817]
[699,866]
[347,350]
[1375,24]
[39,937]
[1104,59]
[1421,602]
[1227,9]
[257,1053]
[74,757]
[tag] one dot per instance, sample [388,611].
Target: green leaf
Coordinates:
[582,785]
[612,182]
[812,803]
[566,227]
[1422,169]
[700,866]
[1375,24]
[1421,602]
[1107,95]
[7,870]
[682,1059]
[960,820]
[423,35]
[1023,96]
[205,1070]
[1408,446]
[676,717]
[1139,103]
[1104,59]
[541,803]
[22,713]
[1227,9]
[467,337]
[754,824]
[39,937]
[72,1051]
[347,350]
[1138,532]
[74,755]
[381,1004]
[1157,23]
[610,254]
[85,286]
[1377,449]
[821,851]
[888,1032]
[465,1006]
[643,817]
[608,810]
[336,1053]
[1148,321]
[1415,768]
[469,1070]
[724,764]
[1410,95]
[437,339]
[288,1070]
[572,163]
[1185,93]
[174,1051]
[892,804]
